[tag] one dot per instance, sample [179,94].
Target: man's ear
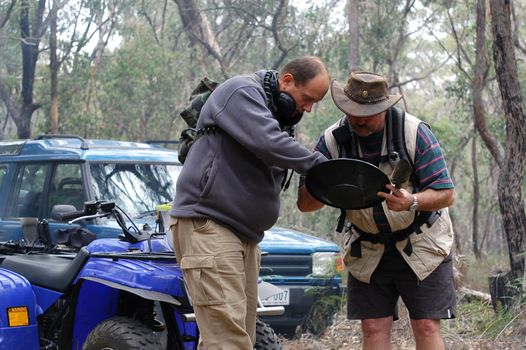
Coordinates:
[285,80]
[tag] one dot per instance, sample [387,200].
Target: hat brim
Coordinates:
[347,183]
[350,107]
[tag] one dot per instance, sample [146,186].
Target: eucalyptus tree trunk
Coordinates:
[479,117]
[33,24]
[53,71]
[199,31]
[478,84]
[354,41]
[8,106]
[476,199]
[242,22]
[29,44]
[510,178]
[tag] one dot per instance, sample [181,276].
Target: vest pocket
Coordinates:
[436,239]
[203,280]
[361,268]
[433,247]
[430,248]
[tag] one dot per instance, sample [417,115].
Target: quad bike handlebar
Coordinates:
[98,209]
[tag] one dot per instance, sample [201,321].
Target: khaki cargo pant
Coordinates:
[221,272]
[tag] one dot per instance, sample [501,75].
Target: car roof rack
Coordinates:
[83,143]
[174,142]
[11,148]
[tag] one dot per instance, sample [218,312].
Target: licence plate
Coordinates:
[281,298]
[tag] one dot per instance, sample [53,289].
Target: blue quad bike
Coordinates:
[125,293]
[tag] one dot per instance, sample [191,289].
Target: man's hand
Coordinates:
[428,200]
[398,200]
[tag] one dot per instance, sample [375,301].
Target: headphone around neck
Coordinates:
[281,104]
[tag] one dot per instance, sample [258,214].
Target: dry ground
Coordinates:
[477,326]
[345,334]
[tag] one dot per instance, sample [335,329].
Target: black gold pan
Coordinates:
[347,183]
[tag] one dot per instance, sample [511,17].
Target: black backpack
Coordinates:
[281,104]
[191,113]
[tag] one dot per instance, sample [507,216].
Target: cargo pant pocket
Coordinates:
[203,280]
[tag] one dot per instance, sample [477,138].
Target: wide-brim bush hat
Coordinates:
[364,95]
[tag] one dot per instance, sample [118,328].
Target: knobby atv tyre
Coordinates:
[121,333]
[266,338]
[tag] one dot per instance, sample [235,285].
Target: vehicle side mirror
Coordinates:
[60,209]
[30,229]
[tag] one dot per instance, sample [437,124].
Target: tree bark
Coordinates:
[53,68]
[4,19]
[478,83]
[277,21]
[199,30]
[31,33]
[29,45]
[354,32]
[476,199]
[510,178]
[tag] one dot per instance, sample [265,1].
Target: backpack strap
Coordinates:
[346,141]
[347,148]
[189,136]
[396,146]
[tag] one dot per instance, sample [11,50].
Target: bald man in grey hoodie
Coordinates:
[228,192]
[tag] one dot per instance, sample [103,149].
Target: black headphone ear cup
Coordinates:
[281,104]
[286,110]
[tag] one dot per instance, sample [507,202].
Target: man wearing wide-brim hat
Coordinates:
[402,246]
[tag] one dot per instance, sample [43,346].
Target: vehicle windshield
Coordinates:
[135,188]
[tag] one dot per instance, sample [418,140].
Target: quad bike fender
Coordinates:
[150,279]
[98,299]
[18,310]
[146,294]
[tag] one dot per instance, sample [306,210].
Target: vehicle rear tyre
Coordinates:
[266,338]
[121,333]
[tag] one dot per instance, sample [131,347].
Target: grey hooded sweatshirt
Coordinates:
[234,176]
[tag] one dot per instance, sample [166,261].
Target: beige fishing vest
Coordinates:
[429,247]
